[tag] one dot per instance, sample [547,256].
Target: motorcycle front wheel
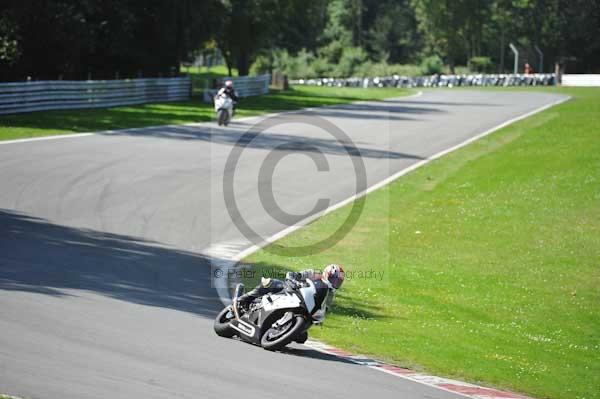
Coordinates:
[222,117]
[221,325]
[276,338]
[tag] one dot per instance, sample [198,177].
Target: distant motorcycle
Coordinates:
[275,320]
[224,109]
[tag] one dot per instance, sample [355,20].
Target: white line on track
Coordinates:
[61,136]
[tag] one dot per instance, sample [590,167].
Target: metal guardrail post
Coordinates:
[62,94]
[516,52]
[250,85]
[537,49]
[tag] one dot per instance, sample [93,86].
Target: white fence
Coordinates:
[59,94]
[581,80]
[245,86]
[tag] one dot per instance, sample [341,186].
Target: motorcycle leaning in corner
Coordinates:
[276,319]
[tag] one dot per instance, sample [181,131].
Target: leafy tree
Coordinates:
[62,38]
[431,65]
[9,44]
[452,28]
[248,26]
[48,39]
[392,32]
[298,25]
[577,34]
[341,23]
[350,61]
[481,64]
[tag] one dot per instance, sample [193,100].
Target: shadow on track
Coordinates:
[49,259]
[271,140]
[444,103]
[42,257]
[314,354]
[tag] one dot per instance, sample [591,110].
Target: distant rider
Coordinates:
[229,91]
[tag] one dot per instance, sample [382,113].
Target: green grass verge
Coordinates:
[46,123]
[490,259]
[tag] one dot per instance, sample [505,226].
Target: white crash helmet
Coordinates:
[334,274]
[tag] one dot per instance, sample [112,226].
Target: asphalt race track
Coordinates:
[106,242]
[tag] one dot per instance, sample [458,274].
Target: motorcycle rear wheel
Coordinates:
[282,340]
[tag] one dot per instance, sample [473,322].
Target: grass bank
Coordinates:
[46,123]
[483,265]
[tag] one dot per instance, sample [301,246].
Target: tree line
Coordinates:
[50,39]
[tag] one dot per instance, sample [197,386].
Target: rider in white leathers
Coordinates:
[229,91]
[332,275]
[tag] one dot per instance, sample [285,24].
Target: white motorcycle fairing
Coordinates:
[280,301]
[223,108]
[308,294]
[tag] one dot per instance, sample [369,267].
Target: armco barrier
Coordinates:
[251,85]
[245,86]
[62,94]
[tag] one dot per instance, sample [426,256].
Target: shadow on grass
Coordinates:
[347,306]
